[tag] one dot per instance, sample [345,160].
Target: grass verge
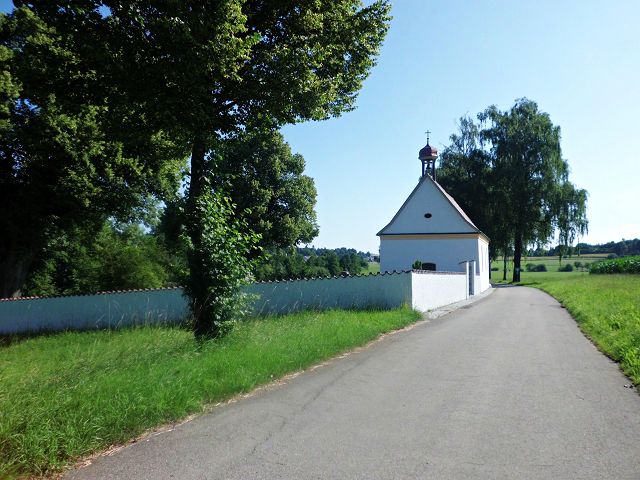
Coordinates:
[606,307]
[65,396]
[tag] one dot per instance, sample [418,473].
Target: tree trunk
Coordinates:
[14,269]
[504,267]
[203,324]
[517,256]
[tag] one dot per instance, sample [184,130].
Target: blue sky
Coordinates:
[443,59]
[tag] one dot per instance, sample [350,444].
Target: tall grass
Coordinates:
[65,396]
[606,307]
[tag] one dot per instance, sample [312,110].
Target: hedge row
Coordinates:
[617,265]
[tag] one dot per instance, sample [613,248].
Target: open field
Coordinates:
[606,307]
[551,263]
[373,267]
[67,395]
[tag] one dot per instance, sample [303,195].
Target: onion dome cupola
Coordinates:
[428,156]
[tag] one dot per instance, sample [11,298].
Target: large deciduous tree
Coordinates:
[210,67]
[530,171]
[507,171]
[66,158]
[202,69]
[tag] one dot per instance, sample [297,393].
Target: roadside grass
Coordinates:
[65,396]
[606,307]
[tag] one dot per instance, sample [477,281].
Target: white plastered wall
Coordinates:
[433,290]
[370,291]
[446,253]
[484,266]
[427,199]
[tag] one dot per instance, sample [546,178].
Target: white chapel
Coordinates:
[431,228]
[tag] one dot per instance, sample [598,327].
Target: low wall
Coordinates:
[371,291]
[430,290]
[88,312]
[421,290]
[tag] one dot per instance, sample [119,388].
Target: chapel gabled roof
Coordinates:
[449,199]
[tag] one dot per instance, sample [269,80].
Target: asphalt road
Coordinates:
[507,388]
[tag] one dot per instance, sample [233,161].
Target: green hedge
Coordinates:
[617,265]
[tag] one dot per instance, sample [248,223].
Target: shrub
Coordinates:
[219,245]
[567,267]
[611,256]
[495,269]
[616,265]
[535,267]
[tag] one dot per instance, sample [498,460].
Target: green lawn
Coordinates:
[606,307]
[67,395]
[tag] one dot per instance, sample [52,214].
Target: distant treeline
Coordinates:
[305,262]
[621,249]
[128,256]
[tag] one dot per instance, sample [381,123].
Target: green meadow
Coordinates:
[552,264]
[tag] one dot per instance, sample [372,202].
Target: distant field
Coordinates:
[373,267]
[551,263]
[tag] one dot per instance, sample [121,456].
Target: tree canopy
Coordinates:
[264,179]
[66,158]
[135,85]
[507,171]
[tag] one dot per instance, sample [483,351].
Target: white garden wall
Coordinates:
[370,291]
[430,290]
[88,312]
[421,290]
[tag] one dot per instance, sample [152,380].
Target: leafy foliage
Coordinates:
[567,267]
[308,263]
[261,175]
[218,247]
[508,171]
[79,262]
[466,172]
[264,179]
[192,71]
[66,157]
[117,257]
[623,247]
[532,267]
[617,265]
